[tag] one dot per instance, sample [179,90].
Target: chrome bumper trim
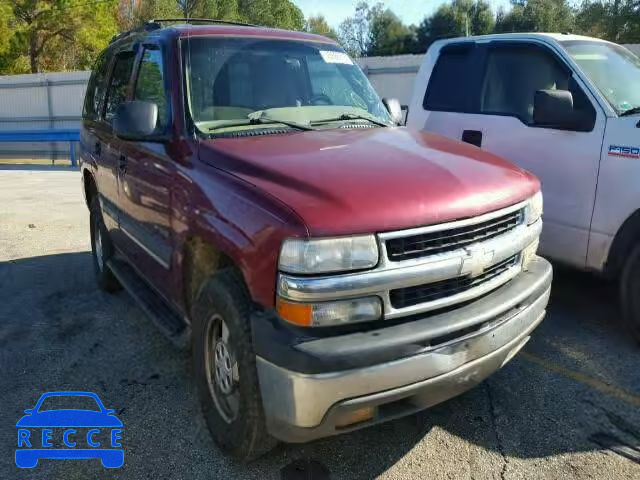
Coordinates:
[303,400]
[408,273]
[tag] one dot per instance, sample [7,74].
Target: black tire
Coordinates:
[224,298]
[630,293]
[100,255]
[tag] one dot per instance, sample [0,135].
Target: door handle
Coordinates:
[122,164]
[97,149]
[474,137]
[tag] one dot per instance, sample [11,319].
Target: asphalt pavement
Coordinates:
[568,406]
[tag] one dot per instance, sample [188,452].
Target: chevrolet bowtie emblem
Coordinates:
[477,260]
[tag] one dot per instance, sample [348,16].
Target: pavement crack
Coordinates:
[494,424]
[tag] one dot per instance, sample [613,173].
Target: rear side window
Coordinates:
[150,85]
[96,88]
[453,83]
[120,77]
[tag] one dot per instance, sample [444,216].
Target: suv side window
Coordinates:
[120,77]
[150,85]
[513,75]
[96,88]
[453,84]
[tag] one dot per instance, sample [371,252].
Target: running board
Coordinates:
[170,324]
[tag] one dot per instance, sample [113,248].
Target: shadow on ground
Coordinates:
[58,332]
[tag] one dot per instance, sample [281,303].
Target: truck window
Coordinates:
[451,85]
[514,73]
[96,88]
[120,77]
[150,85]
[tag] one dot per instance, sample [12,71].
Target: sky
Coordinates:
[409,11]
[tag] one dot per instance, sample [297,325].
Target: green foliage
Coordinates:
[537,16]
[459,18]
[387,34]
[320,26]
[54,35]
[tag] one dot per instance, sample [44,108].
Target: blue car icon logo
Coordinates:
[53,430]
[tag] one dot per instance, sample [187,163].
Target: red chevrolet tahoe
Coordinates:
[329,269]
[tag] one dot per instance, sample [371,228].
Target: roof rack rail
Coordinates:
[160,21]
[145,27]
[157,23]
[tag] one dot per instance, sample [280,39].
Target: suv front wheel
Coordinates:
[225,367]
[630,292]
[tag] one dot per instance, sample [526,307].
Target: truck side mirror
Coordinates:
[554,109]
[394,108]
[136,120]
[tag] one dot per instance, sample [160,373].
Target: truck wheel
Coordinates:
[225,367]
[630,293]
[101,249]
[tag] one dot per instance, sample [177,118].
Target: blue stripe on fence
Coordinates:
[48,135]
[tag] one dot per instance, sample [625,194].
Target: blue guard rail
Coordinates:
[49,135]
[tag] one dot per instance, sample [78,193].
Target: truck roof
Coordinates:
[558,37]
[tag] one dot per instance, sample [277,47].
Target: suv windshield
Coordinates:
[613,69]
[247,83]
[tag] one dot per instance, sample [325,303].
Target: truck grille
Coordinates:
[406,297]
[442,241]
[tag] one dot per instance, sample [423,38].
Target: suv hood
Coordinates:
[346,181]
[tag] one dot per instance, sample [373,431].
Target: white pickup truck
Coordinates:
[566,108]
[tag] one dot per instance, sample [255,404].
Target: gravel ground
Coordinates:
[560,409]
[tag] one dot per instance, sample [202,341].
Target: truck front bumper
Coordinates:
[417,370]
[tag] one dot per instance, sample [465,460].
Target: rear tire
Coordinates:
[225,368]
[630,293]
[101,249]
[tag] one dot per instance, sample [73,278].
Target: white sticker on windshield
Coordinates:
[335,57]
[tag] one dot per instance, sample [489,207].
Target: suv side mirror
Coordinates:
[394,108]
[554,109]
[136,120]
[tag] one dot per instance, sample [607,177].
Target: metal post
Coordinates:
[72,154]
[51,125]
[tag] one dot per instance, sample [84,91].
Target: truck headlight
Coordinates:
[534,208]
[328,314]
[326,255]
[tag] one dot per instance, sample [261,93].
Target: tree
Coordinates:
[387,34]
[319,25]
[617,20]
[537,16]
[71,25]
[458,18]
[354,31]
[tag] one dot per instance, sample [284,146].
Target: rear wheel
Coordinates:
[225,368]
[630,293]
[101,249]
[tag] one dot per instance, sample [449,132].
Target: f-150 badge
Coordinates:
[622,151]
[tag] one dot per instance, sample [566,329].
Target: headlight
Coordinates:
[534,209]
[327,314]
[325,255]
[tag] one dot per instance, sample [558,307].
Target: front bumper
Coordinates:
[416,372]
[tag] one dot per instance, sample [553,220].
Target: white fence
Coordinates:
[40,101]
[54,100]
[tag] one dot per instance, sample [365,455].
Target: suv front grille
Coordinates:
[424,244]
[409,296]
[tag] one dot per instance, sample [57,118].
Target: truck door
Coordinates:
[145,178]
[106,145]
[495,112]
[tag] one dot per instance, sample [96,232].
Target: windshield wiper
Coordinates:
[260,120]
[354,116]
[631,111]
